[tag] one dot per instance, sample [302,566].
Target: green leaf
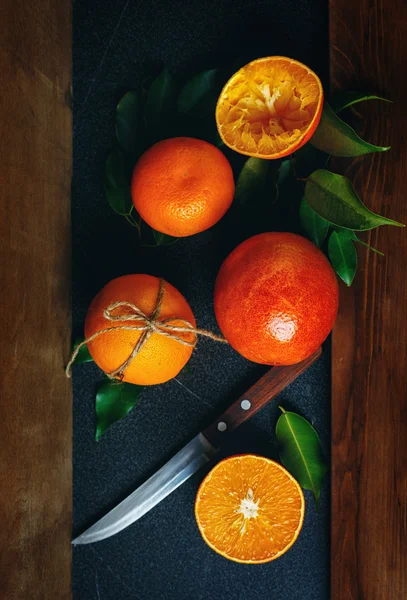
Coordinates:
[343,256]
[240,61]
[337,138]
[129,121]
[83,355]
[217,141]
[206,130]
[308,159]
[146,83]
[300,451]
[203,128]
[334,199]
[187,370]
[352,236]
[344,100]
[113,401]
[252,180]
[160,103]
[315,227]
[375,250]
[284,172]
[198,96]
[162,239]
[116,185]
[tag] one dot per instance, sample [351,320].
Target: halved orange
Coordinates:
[249,509]
[270,108]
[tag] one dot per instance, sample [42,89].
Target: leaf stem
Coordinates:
[370,247]
[131,221]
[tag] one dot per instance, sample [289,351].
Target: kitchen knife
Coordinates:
[195,454]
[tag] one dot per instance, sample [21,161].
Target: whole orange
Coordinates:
[276,298]
[182,186]
[161,358]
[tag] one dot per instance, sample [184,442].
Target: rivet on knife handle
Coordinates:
[264,390]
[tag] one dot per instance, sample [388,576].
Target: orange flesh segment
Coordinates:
[268,106]
[249,509]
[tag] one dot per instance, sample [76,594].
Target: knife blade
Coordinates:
[194,455]
[177,470]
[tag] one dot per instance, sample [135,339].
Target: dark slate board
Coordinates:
[115,45]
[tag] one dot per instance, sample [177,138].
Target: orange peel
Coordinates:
[270,107]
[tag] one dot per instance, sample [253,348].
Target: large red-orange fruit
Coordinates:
[276,298]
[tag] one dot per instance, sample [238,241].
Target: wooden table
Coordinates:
[369,364]
[369,376]
[35,241]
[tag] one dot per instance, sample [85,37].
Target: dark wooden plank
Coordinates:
[35,424]
[369,374]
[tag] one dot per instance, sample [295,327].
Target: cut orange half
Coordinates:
[270,108]
[249,509]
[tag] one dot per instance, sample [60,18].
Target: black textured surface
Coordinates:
[115,45]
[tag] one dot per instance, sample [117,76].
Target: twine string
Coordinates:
[148,325]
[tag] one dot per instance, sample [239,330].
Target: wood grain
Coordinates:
[268,387]
[35,423]
[369,365]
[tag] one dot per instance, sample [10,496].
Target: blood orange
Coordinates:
[276,298]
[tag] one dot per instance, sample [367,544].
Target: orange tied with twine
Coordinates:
[148,325]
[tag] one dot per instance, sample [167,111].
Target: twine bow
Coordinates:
[148,325]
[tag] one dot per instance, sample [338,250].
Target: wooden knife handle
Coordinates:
[264,390]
